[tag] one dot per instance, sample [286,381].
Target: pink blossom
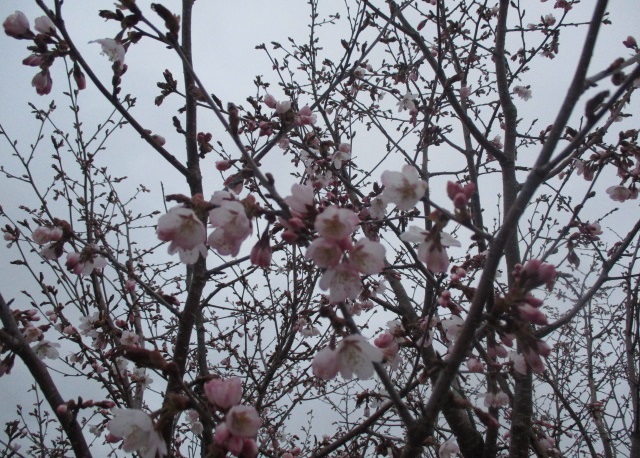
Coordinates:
[465,91]
[243,421]
[224,393]
[44,25]
[336,223]
[114,51]
[342,155]
[138,431]
[45,349]
[343,281]
[283,107]
[404,189]
[452,327]
[474,365]
[431,250]
[325,364]
[16,25]
[45,234]
[356,357]
[367,256]
[407,102]
[621,193]
[301,200]
[129,338]
[305,117]
[531,314]
[324,252]
[42,82]
[519,363]
[498,399]
[448,448]
[523,92]
[85,263]
[185,231]
[377,208]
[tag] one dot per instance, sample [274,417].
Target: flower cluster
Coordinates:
[183,228]
[353,355]
[459,194]
[241,423]
[17,26]
[342,276]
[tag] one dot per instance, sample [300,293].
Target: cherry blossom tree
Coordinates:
[385,249]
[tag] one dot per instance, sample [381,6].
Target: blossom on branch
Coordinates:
[185,231]
[352,356]
[112,49]
[404,189]
[432,249]
[138,431]
[16,25]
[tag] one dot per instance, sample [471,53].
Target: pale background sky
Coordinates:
[226,33]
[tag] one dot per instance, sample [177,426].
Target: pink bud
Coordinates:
[17,25]
[270,101]
[79,77]
[630,42]
[532,314]
[261,253]
[224,393]
[383,340]
[44,25]
[34,60]
[224,165]
[62,409]
[42,82]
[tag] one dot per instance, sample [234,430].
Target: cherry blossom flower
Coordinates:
[499,399]
[86,262]
[46,349]
[283,107]
[356,357]
[224,393]
[404,189]
[343,281]
[42,82]
[474,365]
[336,223]
[16,25]
[452,327]
[324,252]
[185,231]
[232,223]
[367,256]
[243,421]
[448,448]
[129,338]
[621,193]
[325,364]
[112,49]
[407,102]
[301,200]
[138,431]
[305,117]
[236,445]
[519,363]
[377,208]
[45,234]
[343,154]
[431,250]
[523,92]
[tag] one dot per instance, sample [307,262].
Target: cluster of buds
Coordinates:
[459,194]
[287,114]
[17,26]
[237,433]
